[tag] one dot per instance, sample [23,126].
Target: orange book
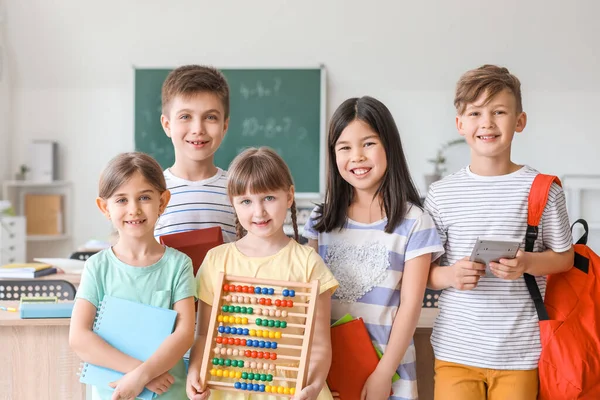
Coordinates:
[353,359]
[195,244]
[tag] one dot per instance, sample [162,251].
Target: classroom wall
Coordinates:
[73,70]
[4,100]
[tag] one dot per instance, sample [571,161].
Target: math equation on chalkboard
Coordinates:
[273,127]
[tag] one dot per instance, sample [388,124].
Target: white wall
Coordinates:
[4,100]
[73,75]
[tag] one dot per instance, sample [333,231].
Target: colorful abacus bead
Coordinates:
[262,344]
[262,301]
[249,386]
[270,323]
[228,363]
[280,390]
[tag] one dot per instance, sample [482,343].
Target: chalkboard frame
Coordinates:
[302,198]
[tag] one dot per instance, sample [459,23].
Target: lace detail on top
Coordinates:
[358,269]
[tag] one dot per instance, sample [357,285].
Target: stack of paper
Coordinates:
[25,270]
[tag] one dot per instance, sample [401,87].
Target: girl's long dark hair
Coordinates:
[396,188]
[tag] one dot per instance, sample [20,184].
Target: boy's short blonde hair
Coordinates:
[189,80]
[489,79]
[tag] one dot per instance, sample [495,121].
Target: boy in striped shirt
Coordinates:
[195,115]
[486,337]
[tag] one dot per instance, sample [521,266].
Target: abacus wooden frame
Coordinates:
[213,326]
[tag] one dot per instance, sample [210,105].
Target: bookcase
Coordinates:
[12,240]
[16,191]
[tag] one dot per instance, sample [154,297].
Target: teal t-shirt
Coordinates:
[162,284]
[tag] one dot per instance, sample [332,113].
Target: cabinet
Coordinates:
[12,240]
[15,192]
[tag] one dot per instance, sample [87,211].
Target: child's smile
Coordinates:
[198,144]
[488,138]
[360,172]
[262,224]
[135,222]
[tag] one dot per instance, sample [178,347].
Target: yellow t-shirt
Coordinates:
[295,262]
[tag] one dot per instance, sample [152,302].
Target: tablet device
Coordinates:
[493,248]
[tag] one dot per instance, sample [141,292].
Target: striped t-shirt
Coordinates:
[196,205]
[495,324]
[368,264]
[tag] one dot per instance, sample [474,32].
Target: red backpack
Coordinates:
[569,366]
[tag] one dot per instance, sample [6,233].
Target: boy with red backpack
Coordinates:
[486,339]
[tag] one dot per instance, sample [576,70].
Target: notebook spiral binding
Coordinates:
[83,369]
[97,320]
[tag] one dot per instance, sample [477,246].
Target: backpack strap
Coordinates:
[581,262]
[538,197]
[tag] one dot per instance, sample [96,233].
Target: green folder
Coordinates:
[348,318]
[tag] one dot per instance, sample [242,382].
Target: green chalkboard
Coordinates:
[279,108]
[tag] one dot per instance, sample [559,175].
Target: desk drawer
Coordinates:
[11,254]
[14,225]
[8,239]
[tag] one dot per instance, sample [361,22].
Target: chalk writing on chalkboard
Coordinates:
[261,90]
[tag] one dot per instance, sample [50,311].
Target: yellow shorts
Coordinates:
[463,382]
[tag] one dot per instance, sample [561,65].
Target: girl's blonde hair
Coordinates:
[259,170]
[122,167]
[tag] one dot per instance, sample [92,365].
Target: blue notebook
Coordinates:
[133,328]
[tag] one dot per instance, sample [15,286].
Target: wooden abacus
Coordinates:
[241,301]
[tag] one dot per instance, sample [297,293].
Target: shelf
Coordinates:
[36,184]
[46,238]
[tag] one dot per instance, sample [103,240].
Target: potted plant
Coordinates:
[439,161]
[22,174]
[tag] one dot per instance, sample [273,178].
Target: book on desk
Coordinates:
[26,270]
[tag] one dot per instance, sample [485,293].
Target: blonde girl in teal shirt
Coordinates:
[132,195]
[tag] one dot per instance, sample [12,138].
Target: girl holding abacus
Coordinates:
[376,239]
[261,190]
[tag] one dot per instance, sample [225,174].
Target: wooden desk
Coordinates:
[36,360]
[425,359]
